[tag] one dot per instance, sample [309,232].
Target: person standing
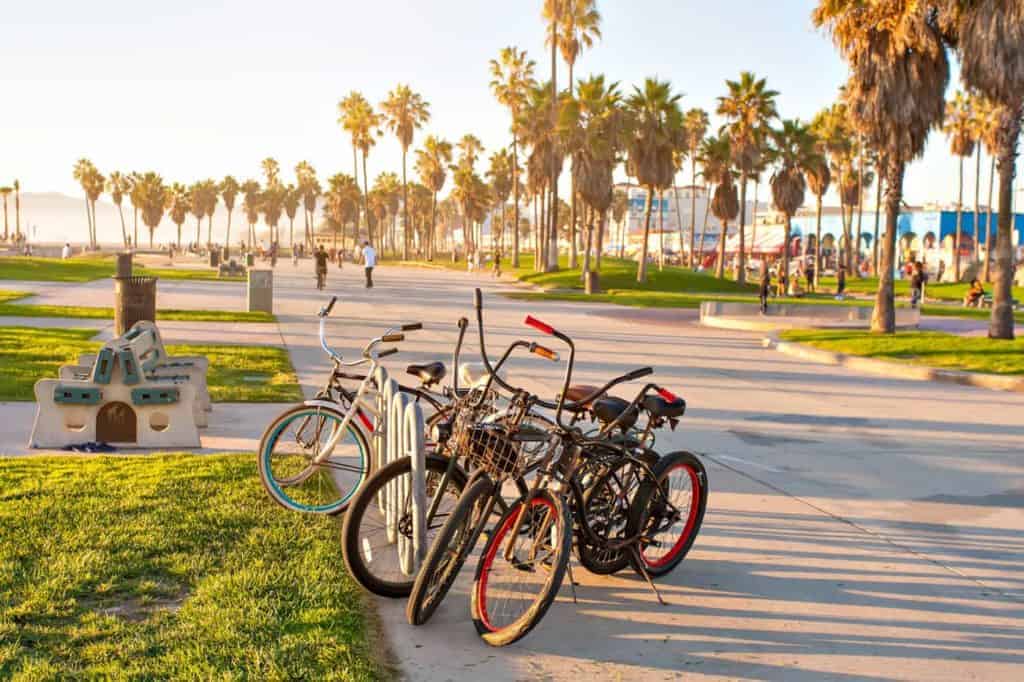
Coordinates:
[765,288]
[321,267]
[809,272]
[841,282]
[917,279]
[369,263]
[65,253]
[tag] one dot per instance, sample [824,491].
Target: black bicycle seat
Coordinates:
[429,374]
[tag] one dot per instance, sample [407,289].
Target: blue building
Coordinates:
[919,222]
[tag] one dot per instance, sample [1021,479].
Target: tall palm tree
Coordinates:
[271,170]
[695,127]
[366,123]
[272,204]
[229,189]
[211,193]
[341,203]
[292,200]
[959,127]
[579,28]
[552,14]
[390,190]
[4,192]
[794,154]
[134,179]
[432,164]
[833,128]
[988,39]
[85,173]
[987,121]
[818,179]
[153,200]
[405,112]
[500,175]
[305,176]
[593,126]
[251,202]
[511,79]
[197,206]
[656,126]
[351,115]
[117,186]
[717,167]
[180,205]
[749,108]
[899,73]
[17,205]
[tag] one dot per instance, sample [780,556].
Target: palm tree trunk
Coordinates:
[860,202]
[588,216]
[552,259]
[641,268]
[704,224]
[405,209]
[679,219]
[785,248]
[179,237]
[124,228]
[515,199]
[1001,324]
[433,227]
[977,197]
[355,176]
[741,270]
[959,224]
[988,221]
[602,223]
[661,229]
[95,231]
[209,232]
[227,237]
[817,243]
[883,318]
[878,212]
[720,265]
[369,228]
[6,232]
[753,222]
[88,220]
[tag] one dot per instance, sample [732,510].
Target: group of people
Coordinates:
[322,256]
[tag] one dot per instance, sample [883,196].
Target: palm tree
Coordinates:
[272,203]
[197,206]
[292,199]
[619,210]
[153,199]
[251,202]
[17,207]
[305,175]
[593,127]
[86,174]
[390,190]
[537,131]
[4,191]
[959,128]
[432,164]
[511,79]
[134,178]
[405,112]
[695,127]
[717,167]
[271,170]
[748,108]
[656,125]
[818,179]
[117,185]
[367,124]
[351,116]
[180,204]
[899,73]
[832,126]
[210,195]
[229,189]
[341,203]
[795,154]
[500,175]
[988,39]
[986,118]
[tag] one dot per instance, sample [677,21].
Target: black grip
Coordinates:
[638,374]
[330,306]
[392,338]
[412,327]
[463,323]
[386,352]
[478,299]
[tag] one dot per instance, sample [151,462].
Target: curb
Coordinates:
[895,370]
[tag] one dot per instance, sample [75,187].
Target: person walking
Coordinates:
[369,263]
[764,288]
[917,280]
[65,253]
[321,267]
[841,282]
[809,272]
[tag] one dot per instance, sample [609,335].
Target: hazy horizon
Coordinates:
[194,91]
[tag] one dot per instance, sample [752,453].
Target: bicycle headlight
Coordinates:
[440,432]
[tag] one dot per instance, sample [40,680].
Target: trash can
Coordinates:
[134,300]
[250,260]
[214,258]
[124,265]
[261,290]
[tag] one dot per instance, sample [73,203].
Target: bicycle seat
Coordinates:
[429,374]
[658,407]
[575,393]
[609,408]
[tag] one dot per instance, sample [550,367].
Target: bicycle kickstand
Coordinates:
[572,581]
[647,576]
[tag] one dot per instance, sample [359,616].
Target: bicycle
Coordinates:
[314,456]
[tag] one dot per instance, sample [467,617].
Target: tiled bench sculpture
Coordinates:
[130,393]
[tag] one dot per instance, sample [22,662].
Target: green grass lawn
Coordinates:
[944,292]
[170,567]
[934,349]
[10,307]
[88,268]
[237,373]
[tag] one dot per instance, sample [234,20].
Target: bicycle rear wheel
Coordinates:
[448,552]
[671,519]
[370,554]
[287,466]
[511,594]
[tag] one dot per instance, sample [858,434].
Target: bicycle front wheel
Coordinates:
[289,453]
[519,573]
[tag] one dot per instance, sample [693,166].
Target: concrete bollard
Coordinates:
[261,291]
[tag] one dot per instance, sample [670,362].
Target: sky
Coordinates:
[205,88]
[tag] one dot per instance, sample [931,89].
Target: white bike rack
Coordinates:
[399,433]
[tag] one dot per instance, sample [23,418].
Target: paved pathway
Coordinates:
[859,527]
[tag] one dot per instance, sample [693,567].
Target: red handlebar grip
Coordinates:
[539,326]
[668,395]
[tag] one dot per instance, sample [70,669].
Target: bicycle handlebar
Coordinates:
[544,352]
[326,310]
[392,338]
[412,327]
[386,352]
